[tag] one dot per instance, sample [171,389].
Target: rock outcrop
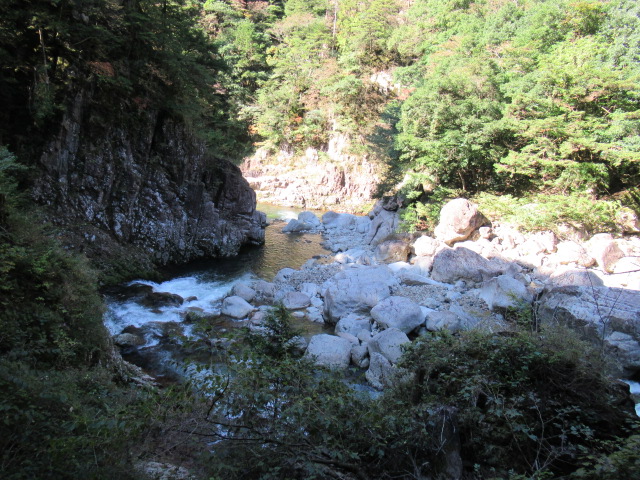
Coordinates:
[319,179]
[151,185]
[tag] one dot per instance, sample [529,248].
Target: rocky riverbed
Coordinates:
[378,290]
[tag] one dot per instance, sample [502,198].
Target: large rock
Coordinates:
[597,312]
[391,251]
[577,277]
[236,307]
[342,221]
[295,226]
[152,189]
[389,343]
[329,351]
[605,251]
[443,320]
[573,252]
[265,291]
[459,218]
[627,351]
[505,291]
[244,291]
[161,299]
[398,312]
[353,324]
[381,373]
[296,300]
[426,246]
[356,290]
[453,264]
[384,220]
[309,218]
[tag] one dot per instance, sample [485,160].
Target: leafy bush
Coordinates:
[547,211]
[520,405]
[527,403]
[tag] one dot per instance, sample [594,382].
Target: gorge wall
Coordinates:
[330,177]
[144,182]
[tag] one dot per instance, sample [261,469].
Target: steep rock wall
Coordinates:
[144,182]
[328,178]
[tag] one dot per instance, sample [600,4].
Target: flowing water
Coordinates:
[203,285]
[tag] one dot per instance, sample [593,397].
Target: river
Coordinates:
[203,285]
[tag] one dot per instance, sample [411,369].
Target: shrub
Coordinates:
[547,211]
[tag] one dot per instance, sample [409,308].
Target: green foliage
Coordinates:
[140,55]
[547,212]
[66,424]
[529,403]
[514,97]
[424,216]
[62,416]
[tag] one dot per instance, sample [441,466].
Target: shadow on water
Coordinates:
[280,250]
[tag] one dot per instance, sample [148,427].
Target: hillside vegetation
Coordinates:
[487,96]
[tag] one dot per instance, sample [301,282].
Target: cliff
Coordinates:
[145,182]
[331,177]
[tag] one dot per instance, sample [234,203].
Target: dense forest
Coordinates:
[533,100]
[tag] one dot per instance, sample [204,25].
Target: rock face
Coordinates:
[153,187]
[319,180]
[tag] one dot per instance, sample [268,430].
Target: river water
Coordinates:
[203,285]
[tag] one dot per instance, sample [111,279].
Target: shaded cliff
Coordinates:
[144,182]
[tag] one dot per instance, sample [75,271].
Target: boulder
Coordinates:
[296,300]
[265,291]
[128,340]
[353,324]
[389,344]
[283,275]
[627,351]
[605,251]
[236,307]
[342,221]
[411,278]
[383,223]
[295,226]
[352,339]
[443,320]
[356,290]
[381,373]
[360,356]
[244,291]
[391,251]
[504,291]
[576,276]
[573,252]
[453,264]
[398,312]
[329,351]
[426,246]
[596,312]
[459,218]
[422,265]
[310,289]
[161,299]
[309,218]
